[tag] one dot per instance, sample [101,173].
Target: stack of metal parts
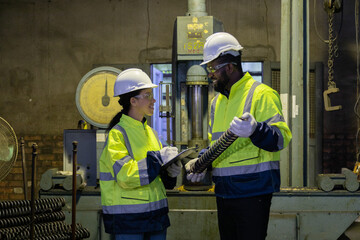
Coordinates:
[15,220]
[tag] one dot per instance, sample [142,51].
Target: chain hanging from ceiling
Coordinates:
[331,6]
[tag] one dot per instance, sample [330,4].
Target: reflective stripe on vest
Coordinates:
[106,176]
[126,139]
[135,208]
[142,164]
[249,97]
[260,167]
[247,108]
[212,112]
[275,119]
[119,163]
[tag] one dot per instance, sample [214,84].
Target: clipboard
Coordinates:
[183,154]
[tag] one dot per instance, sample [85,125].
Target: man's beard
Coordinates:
[220,85]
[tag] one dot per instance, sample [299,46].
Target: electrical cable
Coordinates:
[316,30]
[357,78]
[357,56]
[315,24]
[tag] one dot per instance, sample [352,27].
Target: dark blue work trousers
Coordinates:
[243,218]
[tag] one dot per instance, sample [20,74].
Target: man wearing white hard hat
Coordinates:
[247,173]
[133,194]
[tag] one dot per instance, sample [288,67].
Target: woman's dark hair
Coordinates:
[124,101]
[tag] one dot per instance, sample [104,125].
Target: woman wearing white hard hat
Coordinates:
[133,194]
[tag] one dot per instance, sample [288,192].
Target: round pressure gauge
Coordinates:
[94,96]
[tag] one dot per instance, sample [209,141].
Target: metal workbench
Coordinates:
[296,213]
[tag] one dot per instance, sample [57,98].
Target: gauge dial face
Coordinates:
[8,148]
[94,96]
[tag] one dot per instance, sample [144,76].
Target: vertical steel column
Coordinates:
[285,90]
[297,123]
[168,115]
[307,178]
[293,81]
[197,83]
[196,111]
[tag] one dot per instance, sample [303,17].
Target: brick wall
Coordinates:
[339,151]
[50,155]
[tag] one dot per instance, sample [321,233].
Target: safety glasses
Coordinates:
[148,96]
[217,67]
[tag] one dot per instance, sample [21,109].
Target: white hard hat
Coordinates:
[218,44]
[132,79]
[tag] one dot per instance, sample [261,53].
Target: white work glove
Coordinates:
[244,126]
[168,153]
[193,177]
[174,169]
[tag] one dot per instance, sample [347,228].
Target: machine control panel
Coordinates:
[192,33]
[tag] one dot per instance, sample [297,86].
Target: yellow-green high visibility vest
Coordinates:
[245,169]
[133,197]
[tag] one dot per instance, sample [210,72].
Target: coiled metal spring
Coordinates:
[23,220]
[15,218]
[23,207]
[226,139]
[46,231]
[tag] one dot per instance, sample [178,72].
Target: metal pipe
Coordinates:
[196,8]
[23,167]
[168,114]
[197,110]
[33,183]
[197,82]
[73,208]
